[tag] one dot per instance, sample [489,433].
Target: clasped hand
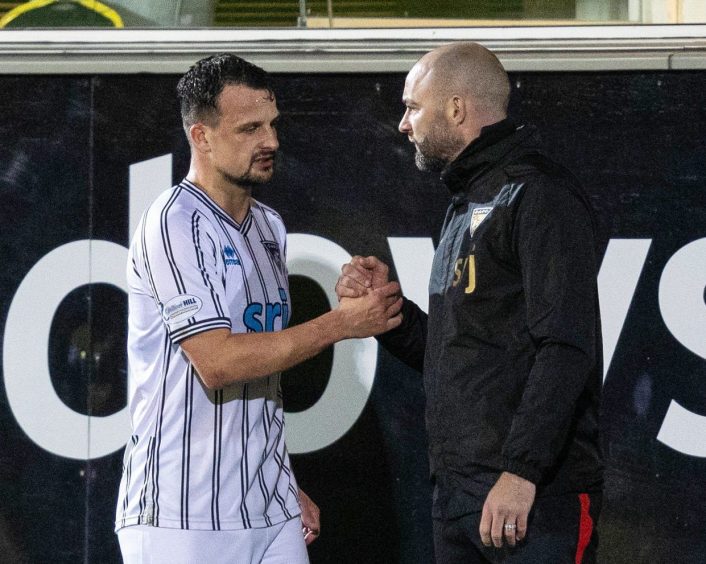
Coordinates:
[372,303]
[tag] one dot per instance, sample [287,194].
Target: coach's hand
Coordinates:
[311,522]
[506,509]
[360,275]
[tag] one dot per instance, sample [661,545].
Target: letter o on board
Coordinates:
[354,360]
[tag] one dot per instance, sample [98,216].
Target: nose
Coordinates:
[404,126]
[271,141]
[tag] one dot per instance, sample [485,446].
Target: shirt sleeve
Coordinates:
[183,266]
[554,240]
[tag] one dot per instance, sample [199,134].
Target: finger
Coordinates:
[344,291]
[395,307]
[363,265]
[393,322]
[310,535]
[353,278]
[486,520]
[370,262]
[521,526]
[510,529]
[389,289]
[357,274]
[392,301]
[496,530]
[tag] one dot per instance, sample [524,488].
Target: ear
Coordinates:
[457,109]
[199,137]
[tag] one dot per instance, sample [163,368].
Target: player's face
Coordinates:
[424,121]
[244,141]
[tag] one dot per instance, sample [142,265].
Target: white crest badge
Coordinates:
[477,217]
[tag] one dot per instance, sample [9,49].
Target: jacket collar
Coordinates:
[493,143]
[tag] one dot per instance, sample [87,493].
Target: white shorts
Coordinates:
[280,544]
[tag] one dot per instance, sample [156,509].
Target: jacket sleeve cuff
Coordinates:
[523,470]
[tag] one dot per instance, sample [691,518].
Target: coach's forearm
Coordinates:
[222,358]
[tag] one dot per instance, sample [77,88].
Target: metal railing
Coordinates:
[351,50]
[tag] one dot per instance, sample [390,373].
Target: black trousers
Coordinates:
[560,530]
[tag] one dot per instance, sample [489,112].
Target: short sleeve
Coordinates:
[183,268]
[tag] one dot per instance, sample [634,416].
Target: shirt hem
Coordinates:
[208,525]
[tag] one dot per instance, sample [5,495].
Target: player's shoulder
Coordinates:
[174,205]
[177,212]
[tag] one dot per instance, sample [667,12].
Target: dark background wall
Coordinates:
[346,174]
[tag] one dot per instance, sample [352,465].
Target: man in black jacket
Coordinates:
[511,348]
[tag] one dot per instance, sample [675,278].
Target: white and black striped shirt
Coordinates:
[201,459]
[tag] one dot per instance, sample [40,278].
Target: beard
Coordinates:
[428,163]
[249,179]
[433,152]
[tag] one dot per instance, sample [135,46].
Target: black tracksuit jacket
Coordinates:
[511,348]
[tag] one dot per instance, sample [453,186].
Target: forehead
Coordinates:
[239,103]
[418,82]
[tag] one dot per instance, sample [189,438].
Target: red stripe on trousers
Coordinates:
[585,527]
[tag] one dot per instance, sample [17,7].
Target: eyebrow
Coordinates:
[248,124]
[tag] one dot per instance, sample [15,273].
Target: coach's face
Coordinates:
[243,142]
[424,121]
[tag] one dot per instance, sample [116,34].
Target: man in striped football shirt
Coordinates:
[207,477]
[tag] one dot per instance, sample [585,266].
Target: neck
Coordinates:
[232,198]
[475,128]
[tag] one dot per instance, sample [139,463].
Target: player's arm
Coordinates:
[222,358]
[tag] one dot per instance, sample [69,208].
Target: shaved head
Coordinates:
[467,68]
[450,94]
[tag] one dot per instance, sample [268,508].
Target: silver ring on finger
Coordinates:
[510,526]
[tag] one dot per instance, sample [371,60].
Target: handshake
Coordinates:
[369,304]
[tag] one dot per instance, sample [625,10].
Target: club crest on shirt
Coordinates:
[273,250]
[477,217]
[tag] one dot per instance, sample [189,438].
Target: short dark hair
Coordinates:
[199,88]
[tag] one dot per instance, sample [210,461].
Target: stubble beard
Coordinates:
[247,180]
[427,163]
[432,152]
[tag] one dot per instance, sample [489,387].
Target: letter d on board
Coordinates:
[41,414]
[59,429]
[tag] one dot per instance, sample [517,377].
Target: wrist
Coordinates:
[331,327]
